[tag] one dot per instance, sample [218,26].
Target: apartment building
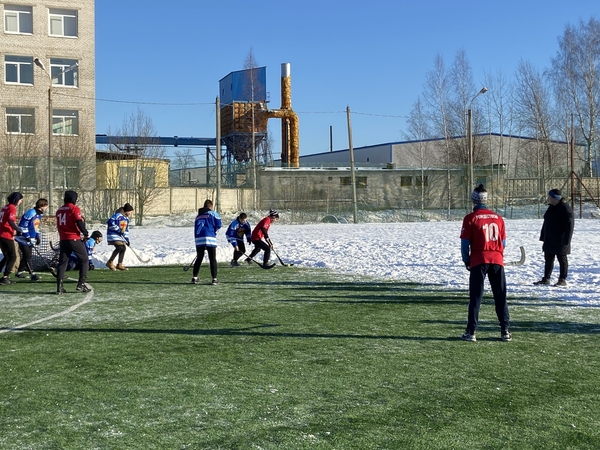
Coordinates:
[47,53]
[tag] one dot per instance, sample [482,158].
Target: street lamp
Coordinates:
[50,166]
[470,135]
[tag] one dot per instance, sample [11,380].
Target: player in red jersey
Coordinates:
[69,223]
[261,230]
[483,238]
[8,229]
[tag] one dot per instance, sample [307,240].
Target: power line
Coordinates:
[212,103]
[132,102]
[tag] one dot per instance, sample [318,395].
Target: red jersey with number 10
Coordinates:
[485,231]
[66,222]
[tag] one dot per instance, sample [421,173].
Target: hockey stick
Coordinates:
[262,266]
[53,270]
[520,262]
[282,263]
[186,268]
[43,258]
[138,256]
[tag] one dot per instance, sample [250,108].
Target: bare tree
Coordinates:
[498,104]
[75,160]
[144,169]
[418,130]
[22,166]
[462,89]
[575,74]
[435,97]
[184,159]
[535,114]
[250,65]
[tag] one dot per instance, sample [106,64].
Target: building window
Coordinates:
[22,174]
[18,19]
[126,178]
[422,181]
[361,182]
[70,78]
[65,122]
[20,120]
[405,181]
[63,22]
[18,69]
[66,174]
[149,177]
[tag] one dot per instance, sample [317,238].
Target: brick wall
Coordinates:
[40,44]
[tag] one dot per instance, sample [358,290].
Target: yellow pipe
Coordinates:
[293,145]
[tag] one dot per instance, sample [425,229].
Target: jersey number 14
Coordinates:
[62,218]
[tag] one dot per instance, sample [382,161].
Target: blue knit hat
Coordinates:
[555,194]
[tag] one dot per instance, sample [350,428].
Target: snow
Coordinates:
[423,252]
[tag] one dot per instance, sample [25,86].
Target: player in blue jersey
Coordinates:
[90,244]
[30,227]
[236,231]
[206,225]
[117,234]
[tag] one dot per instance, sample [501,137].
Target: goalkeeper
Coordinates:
[30,227]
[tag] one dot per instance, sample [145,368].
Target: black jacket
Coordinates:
[557,229]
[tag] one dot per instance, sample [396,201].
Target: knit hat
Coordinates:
[479,195]
[14,198]
[70,197]
[555,194]
[273,213]
[127,207]
[96,234]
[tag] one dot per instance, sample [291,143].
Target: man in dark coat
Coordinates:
[556,235]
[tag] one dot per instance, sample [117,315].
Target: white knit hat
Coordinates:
[479,195]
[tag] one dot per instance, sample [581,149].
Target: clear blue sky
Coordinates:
[370,55]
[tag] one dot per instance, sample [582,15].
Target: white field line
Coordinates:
[87,299]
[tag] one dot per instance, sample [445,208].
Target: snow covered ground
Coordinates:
[425,252]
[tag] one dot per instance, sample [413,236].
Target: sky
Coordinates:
[424,252]
[166,59]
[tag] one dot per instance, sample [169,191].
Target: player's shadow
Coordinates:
[530,326]
[255,331]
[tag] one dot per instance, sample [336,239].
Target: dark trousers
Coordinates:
[25,264]
[118,252]
[10,255]
[495,274]
[66,248]
[563,263]
[237,254]
[212,259]
[261,245]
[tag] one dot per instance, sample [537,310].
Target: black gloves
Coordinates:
[468,265]
[91,267]
[38,240]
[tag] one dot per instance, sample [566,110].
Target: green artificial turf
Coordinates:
[289,358]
